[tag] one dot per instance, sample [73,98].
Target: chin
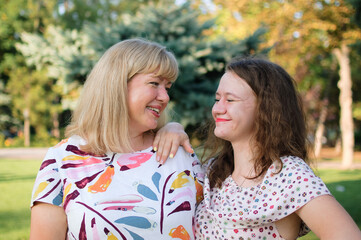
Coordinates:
[220,135]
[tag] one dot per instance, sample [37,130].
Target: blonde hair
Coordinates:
[101,116]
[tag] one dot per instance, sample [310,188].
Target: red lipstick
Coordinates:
[221,120]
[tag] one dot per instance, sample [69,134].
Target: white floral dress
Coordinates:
[233,212]
[121,196]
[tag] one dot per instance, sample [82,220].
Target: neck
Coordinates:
[141,141]
[243,159]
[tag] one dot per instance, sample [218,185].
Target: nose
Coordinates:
[163,94]
[219,107]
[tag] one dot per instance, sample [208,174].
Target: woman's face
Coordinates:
[147,98]
[235,109]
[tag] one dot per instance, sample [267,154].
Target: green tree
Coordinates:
[299,32]
[18,16]
[69,54]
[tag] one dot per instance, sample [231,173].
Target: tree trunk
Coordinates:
[320,128]
[345,99]
[26,114]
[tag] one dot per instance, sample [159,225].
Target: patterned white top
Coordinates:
[121,196]
[233,212]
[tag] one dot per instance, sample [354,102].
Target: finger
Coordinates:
[187,146]
[160,148]
[165,151]
[156,142]
[174,149]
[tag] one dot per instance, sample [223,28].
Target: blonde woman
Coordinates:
[104,181]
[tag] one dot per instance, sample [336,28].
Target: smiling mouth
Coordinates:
[222,120]
[156,110]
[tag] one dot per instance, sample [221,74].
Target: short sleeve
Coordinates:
[198,173]
[48,187]
[292,188]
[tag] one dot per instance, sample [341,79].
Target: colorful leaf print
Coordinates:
[77,151]
[156,178]
[180,232]
[47,163]
[195,163]
[184,206]
[106,220]
[51,190]
[186,193]
[147,192]
[199,188]
[41,187]
[128,198]
[182,180]
[134,235]
[95,233]
[103,181]
[75,158]
[110,235]
[162,202]
[125,162]
[83,182]
[47,173]
[76,173]
[137,209]
[58,199]
[138,222]
[70,196]
[75,161]
[82,232]
[61,142]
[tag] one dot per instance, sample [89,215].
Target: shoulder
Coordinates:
[183,154]
[66,146]
[188,160]
[290,164]
[293,162]
[296,178]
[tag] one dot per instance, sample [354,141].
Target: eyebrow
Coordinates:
[160,78]
[228,94]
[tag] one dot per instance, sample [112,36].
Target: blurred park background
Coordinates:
[47,48]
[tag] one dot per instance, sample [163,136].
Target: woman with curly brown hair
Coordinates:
[258,183]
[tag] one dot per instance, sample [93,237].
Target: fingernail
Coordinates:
[171,155]
[158,158]
[155,148]
[192,150]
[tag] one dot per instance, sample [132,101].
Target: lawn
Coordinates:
[17,178]
[16,182]
[345,186]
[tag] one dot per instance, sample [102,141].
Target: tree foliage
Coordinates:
[69,54]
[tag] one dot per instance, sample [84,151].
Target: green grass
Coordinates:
[345,187]
[16,182]
[17,178]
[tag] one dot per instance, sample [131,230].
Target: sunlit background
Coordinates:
[47,48]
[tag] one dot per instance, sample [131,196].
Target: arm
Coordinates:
[168,139]
[48,222]
[328,219]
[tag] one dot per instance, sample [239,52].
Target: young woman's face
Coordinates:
[235,109]
[147,98]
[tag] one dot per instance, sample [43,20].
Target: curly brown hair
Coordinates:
[280,126]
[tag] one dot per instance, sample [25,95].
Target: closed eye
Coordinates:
[154,83]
